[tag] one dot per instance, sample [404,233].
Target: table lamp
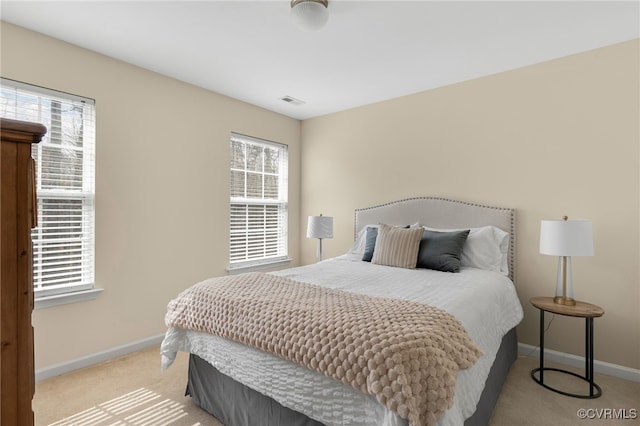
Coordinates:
[320,227]
[565,238]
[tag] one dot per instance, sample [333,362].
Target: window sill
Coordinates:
[63,299]
[233,270]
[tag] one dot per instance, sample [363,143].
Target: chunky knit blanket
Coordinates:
[406,354]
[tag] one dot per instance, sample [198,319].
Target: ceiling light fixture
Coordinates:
[309,15]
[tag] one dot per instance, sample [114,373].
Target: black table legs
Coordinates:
[594,390]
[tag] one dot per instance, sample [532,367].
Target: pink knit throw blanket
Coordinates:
[406,354]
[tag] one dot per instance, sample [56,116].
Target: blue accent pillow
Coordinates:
[370,243]
[441,250]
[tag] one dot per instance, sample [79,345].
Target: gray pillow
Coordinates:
[441,250]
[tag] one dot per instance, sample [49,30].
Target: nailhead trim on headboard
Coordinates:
[500,213]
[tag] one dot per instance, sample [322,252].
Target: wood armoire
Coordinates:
[18,216]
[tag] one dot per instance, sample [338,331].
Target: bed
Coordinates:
[242,385]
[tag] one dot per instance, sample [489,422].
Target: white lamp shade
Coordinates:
[566,237]
[320,227]
[309,15]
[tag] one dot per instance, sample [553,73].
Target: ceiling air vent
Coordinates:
[291,100]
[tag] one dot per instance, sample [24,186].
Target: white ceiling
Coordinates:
[369,51]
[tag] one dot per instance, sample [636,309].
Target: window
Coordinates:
[63,241]
[258,204]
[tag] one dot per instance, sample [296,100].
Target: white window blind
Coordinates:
[63,241]
[258,204]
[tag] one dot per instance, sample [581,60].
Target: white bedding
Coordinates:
[484,302]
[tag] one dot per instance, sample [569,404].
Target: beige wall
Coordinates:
[557,138]
[161,189]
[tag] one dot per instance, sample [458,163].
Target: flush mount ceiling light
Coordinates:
[309,15]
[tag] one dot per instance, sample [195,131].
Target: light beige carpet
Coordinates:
[127,391]
[132,391]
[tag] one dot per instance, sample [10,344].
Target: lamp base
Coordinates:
[319,252]
[562,300]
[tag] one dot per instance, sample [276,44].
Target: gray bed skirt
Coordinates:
[235,404]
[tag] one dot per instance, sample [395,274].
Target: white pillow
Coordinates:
[486,248]
[361,241]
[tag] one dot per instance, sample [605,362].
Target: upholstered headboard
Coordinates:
[442,213]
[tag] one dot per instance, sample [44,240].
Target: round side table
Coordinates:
[584,310]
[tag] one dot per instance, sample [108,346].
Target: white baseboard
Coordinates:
[523,349]
[85,361]
[602,367]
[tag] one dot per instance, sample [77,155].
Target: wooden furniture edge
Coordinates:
[21,131]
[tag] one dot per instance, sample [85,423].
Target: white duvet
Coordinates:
[484,302]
